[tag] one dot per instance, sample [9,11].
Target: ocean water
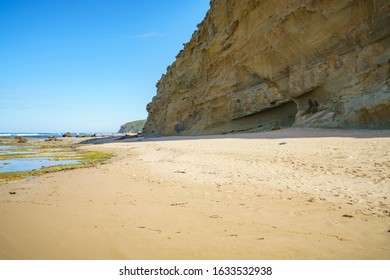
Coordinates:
[42,134]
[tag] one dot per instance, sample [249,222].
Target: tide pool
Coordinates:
[26,158]
[28,164]
[14,150]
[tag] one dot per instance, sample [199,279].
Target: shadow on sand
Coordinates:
[288,133]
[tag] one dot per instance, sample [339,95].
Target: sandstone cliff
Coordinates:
[262,64]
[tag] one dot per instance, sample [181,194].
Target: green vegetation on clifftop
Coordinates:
[132,127]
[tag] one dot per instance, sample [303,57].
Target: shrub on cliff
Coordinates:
[132,127]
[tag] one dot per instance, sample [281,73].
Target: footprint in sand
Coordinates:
[215,217]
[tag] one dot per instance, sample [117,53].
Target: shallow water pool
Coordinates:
[15,150]
[28,164]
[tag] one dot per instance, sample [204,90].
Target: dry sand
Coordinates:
[288,194]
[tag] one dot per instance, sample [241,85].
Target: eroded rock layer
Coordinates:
[263,64]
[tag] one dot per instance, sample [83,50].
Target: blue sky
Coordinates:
[86,65]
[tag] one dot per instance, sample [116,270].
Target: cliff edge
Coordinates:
[263,64]
[132,127]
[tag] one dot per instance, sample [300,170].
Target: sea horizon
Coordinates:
[48,134]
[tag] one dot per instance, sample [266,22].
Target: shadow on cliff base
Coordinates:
[287,133]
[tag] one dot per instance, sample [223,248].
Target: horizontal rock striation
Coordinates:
[263,64]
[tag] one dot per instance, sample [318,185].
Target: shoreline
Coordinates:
[38,156]
[287,194]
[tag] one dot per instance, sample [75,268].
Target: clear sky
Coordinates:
[87,65]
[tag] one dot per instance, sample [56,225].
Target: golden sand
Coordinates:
[288,194]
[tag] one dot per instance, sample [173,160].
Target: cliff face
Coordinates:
[132,127]
[262,64]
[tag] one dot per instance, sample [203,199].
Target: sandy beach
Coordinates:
[286,194]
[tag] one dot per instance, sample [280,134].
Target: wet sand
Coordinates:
[287,194]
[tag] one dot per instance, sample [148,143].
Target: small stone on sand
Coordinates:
[347,216]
